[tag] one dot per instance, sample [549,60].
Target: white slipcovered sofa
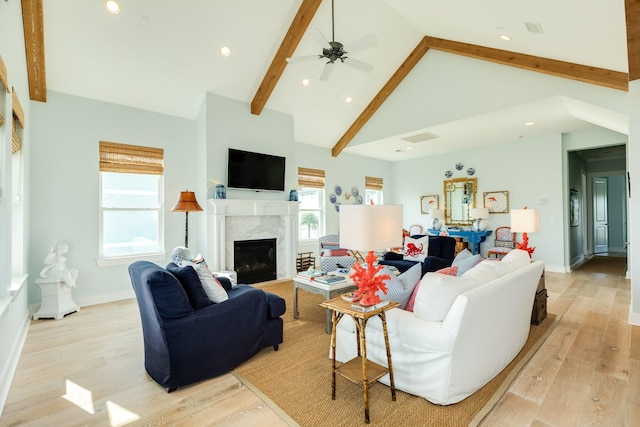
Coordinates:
[462,333]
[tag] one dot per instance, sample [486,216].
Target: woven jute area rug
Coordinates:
[296,380]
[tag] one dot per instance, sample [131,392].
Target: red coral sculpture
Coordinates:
[525,245]
[369,281]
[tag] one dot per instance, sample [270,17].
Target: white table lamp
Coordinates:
[525,221]
[369,228]
[436,215]
[478,214]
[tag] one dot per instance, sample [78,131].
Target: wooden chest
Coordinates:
[539,312]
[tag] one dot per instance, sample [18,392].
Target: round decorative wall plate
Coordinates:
[359,200]
[459,166]
[354,191]
[332,198]
[471,171]
[338,207]
[448,174]
[338,190]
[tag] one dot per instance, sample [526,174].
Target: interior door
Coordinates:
[600,220]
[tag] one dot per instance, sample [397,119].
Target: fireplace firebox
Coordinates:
[255,260]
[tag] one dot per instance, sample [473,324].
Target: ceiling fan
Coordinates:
[336,51]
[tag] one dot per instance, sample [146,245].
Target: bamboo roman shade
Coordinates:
[18,122]
[124,158]
[308,177]
[373,183]
[4,86]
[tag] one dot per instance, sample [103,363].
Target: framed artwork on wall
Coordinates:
[574,211]
[429,202]
[496,201]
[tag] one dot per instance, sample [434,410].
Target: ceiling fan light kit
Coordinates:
[336,51]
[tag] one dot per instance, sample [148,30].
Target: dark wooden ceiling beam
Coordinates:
[584,73]
[33,24]
[391,85]
[288,46]
[632,8]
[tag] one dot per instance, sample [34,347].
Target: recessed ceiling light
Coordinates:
[530,123]
[505,37]
[348,99]
[305,82]
[409,148]
[225,51]
[112,6]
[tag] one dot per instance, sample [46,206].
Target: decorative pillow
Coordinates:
[211,285]
[170,298]
[190,281]
[400,288]
[416,249]
[465,261]
[512,261]
[412,299]
[181,253]
[334,252]
[450,271]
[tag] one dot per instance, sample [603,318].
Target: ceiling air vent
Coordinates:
[420,137]
[534,28]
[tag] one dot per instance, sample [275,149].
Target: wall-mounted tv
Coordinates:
[255,171]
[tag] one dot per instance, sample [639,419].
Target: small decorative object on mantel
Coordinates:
[55,282]
[293,195]
[212,183]
[221,192]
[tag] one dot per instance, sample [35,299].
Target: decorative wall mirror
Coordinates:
[459,199]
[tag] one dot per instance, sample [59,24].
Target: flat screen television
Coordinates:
[255,171]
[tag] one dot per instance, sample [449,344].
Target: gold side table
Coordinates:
[360,370]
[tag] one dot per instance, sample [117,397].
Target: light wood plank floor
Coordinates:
[87,369]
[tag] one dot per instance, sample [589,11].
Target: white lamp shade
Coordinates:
[479,213]
[436,213]
[524,221]
[370,227]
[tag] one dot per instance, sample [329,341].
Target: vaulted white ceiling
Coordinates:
[162,56]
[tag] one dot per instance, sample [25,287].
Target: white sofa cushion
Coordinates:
[512,261]
[438,291]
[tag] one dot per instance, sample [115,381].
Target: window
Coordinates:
[311,203]
[131,214]
[373,190]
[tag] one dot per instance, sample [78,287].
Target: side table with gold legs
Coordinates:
[360,370]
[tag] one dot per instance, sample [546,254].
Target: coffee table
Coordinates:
[328,291]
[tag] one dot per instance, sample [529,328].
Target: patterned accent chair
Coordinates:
[505,242]
[331,255]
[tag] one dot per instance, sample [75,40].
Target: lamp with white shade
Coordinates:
[479,214]
[369,228]
[525,221]
[435,215]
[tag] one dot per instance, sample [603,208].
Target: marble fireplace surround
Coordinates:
[229,220]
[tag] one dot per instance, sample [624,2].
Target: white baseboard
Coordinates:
[105,298]
[555,268]
[634,318]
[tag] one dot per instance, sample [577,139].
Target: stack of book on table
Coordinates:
[328,279]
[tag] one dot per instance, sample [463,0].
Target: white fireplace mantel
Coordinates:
[229,220]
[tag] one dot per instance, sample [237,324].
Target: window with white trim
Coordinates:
[131,205]
[373,190]
[311,214]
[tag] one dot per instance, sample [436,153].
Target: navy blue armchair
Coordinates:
[184,345]
[441,252]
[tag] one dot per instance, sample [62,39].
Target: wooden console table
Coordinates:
[360,370]
[473,237]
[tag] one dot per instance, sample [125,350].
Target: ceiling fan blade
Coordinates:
[326,71]
[319,37]
[302,58]
[358,64]
[362,43]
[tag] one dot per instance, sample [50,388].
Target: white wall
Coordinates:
[530,170]
[65,177]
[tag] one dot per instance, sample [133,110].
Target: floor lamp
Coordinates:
[369,228]
[186,203]
[525,221]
